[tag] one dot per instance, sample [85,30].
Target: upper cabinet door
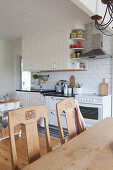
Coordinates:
[26,54]
[49,59]
[46,51]
[37,53]
[60,49]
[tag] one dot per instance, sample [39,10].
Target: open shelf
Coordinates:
[80,58]
[77,39]
[76,48]
[76,69]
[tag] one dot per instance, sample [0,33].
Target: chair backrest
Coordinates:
[68,107]
[27,118]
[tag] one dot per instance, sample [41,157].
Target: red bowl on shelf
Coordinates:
[72,46]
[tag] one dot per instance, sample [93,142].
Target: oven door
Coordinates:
[92,113]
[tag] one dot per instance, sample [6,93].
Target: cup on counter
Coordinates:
[69,90]
[65,90]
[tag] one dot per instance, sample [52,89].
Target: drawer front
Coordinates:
[17,105]
[10,106]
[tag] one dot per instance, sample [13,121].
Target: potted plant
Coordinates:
[77,88]
[35,77]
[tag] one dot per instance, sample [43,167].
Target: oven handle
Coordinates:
[90,105]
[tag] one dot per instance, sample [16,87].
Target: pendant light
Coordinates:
[102,25]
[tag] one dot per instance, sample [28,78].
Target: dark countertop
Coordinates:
[56,94]
[37,90]
[48,92]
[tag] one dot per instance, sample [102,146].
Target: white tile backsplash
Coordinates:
[97,70]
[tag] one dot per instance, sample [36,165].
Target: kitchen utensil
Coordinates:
[104,88]
[72,81]
[45,79]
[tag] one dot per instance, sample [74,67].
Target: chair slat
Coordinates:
[32,141]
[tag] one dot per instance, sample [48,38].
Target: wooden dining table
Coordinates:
[91,150]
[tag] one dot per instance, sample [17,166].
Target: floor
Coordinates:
[54,132]
[5,158]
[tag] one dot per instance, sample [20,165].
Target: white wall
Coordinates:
[8,51]
[6,68]
[17,52]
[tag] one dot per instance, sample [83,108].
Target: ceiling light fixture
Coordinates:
[102,25]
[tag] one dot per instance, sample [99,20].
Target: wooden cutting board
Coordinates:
[72,81]
[104,88]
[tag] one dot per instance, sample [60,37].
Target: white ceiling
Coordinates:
[19,17]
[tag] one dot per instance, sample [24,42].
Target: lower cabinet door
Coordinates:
[51,118]
[63,121]
[56,121]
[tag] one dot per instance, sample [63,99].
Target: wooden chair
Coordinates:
[27,118]
[67,106]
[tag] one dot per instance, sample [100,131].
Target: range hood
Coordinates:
[97,48]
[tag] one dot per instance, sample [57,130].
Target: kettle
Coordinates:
[60,85]
[59,88]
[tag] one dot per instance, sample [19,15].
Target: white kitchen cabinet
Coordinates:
[37,53]
[51,109]
[26,54]
[45,51]
[22,96]
[63,120]
[51,118]
[34,99]
[60,49]
[30,98]
[49,58]
[49,50]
